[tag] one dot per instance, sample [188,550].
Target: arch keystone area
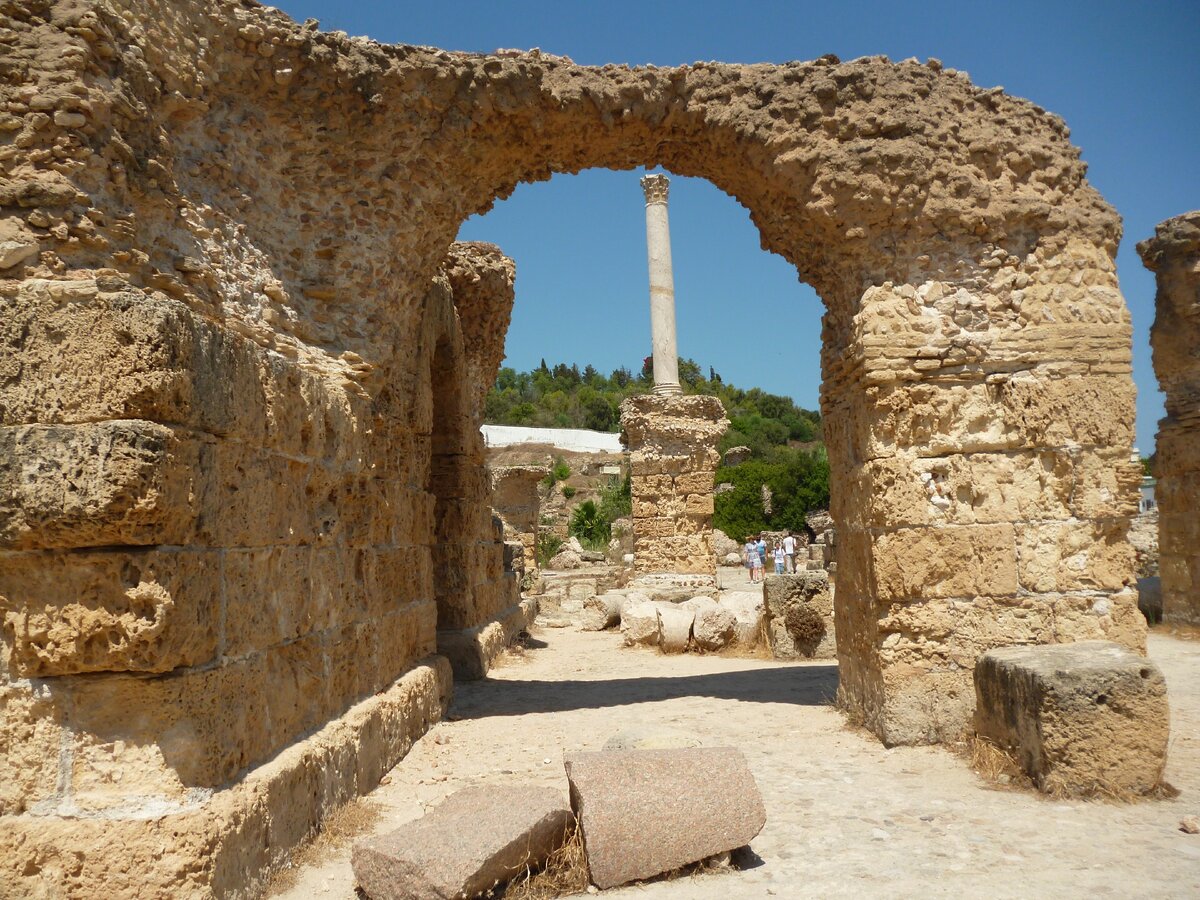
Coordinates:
[227,265]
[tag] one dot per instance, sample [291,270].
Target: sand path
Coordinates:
[845,816]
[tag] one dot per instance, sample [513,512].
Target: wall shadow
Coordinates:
[808,685]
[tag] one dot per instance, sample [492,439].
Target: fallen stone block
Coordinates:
[639,624]
[696,604]
[799,613]
[1083,718]
[747,609]
[714,628]
[602,611]
[645,812]
[674,627]
[476,838]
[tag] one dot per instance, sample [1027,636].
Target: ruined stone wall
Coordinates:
[1173,254]
[672,442]
[227,344]
[516,498]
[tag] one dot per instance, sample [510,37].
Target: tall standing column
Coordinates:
[662,286]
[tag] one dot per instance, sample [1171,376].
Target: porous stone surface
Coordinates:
[639,623]
[674,627]
[645,812]
[672,442]
[1083,718]
[245,290]
[714,628]
[747,609]
[473,840]
[1173,254]
[799,613]
[516,499]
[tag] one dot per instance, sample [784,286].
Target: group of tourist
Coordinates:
[757,551]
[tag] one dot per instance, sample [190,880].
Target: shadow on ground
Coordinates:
[809,685]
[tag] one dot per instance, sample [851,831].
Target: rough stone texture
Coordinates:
[714,628]
[672,442]
[152,842]
[1083,718]
[644,812]
[639,623]
[799,613]
[674,627]
[471,841]
[245,292]
[1173,254]
[602,611]
[747,609]
[515,497]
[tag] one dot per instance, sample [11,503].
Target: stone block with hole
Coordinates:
[799,613]
[1084,718]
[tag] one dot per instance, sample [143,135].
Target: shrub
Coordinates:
[589,526]
[548,545]
[568,491]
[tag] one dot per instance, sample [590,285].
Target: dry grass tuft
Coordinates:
[994,764]
[1112,794]
[564,874]
[340,827]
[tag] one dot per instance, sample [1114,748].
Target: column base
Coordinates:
[669,388]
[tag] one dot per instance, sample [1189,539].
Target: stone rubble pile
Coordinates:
[699,623]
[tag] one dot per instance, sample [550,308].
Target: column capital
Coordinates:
[655,188]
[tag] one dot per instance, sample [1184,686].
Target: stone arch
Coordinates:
[219,253]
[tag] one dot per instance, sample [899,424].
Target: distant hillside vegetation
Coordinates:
[785,439]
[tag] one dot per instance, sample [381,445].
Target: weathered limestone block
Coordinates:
[89,485]
[471,651]
[1083,718]
[714,628]
[226,846]
[644,812]
[747,609]
[639,623]
[674,627]
[145,611]
[602,611]
[799,615]
[1173,254]
[672,443]
[511,827]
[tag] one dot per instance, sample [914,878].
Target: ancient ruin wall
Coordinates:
[672,443]
[219,231]
[1173,254]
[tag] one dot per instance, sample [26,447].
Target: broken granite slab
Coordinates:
[645,812]
[476,838]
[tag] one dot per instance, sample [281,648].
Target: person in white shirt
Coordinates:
[789,553]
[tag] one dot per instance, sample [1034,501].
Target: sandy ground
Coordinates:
[845,816]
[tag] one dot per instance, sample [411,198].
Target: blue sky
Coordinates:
[1125,76]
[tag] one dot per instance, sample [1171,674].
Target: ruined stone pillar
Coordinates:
[1173,254]
[662,286]
[672,443]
